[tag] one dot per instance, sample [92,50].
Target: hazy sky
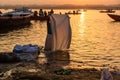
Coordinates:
[41,2]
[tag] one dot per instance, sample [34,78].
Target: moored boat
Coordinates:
[14,20]
[19,12]
[114,17]
[74,12]
[107,11]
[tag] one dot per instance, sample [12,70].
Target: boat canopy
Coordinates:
[21,11]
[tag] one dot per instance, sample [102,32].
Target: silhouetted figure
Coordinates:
[0,12]
[48,44]
[60,13]
[51,12]
[45,13]
[41,14]
[35,13]
[73,12]
[49,31]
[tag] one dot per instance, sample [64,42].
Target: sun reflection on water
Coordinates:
[82,24]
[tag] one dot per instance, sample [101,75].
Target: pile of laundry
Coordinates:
[21,52]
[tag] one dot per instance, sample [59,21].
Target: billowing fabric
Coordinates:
[61,32]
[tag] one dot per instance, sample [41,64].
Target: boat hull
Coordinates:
[73,13]
[107,11]
[13,22]
[39,18]
[114,17]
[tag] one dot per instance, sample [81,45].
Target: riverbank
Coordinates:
[34,71]
[51,69]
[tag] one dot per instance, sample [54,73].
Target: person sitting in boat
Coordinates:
[41,13]
[60,13]
[35,14]
[73,12]
[51,12]
[45,13]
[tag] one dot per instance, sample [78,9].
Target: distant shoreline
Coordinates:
[98,7]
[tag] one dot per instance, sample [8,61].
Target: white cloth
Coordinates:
[106,75]
[61,32]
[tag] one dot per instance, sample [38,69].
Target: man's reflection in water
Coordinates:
[56,60]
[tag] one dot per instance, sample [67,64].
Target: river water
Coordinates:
[95,38]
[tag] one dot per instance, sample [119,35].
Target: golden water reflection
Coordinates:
[82,24]
[95,39]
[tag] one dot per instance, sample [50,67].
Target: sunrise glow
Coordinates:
[56,2]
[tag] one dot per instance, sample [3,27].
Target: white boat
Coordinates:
[18,12]
[15,19]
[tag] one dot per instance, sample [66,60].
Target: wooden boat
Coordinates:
[107,11]
[12,21]
[17,17]
[74,12]
[114,17]
[39,18]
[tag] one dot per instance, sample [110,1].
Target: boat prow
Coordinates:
[114,17]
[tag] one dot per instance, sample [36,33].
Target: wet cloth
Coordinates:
[27,52]
[60,38]
[106,75]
